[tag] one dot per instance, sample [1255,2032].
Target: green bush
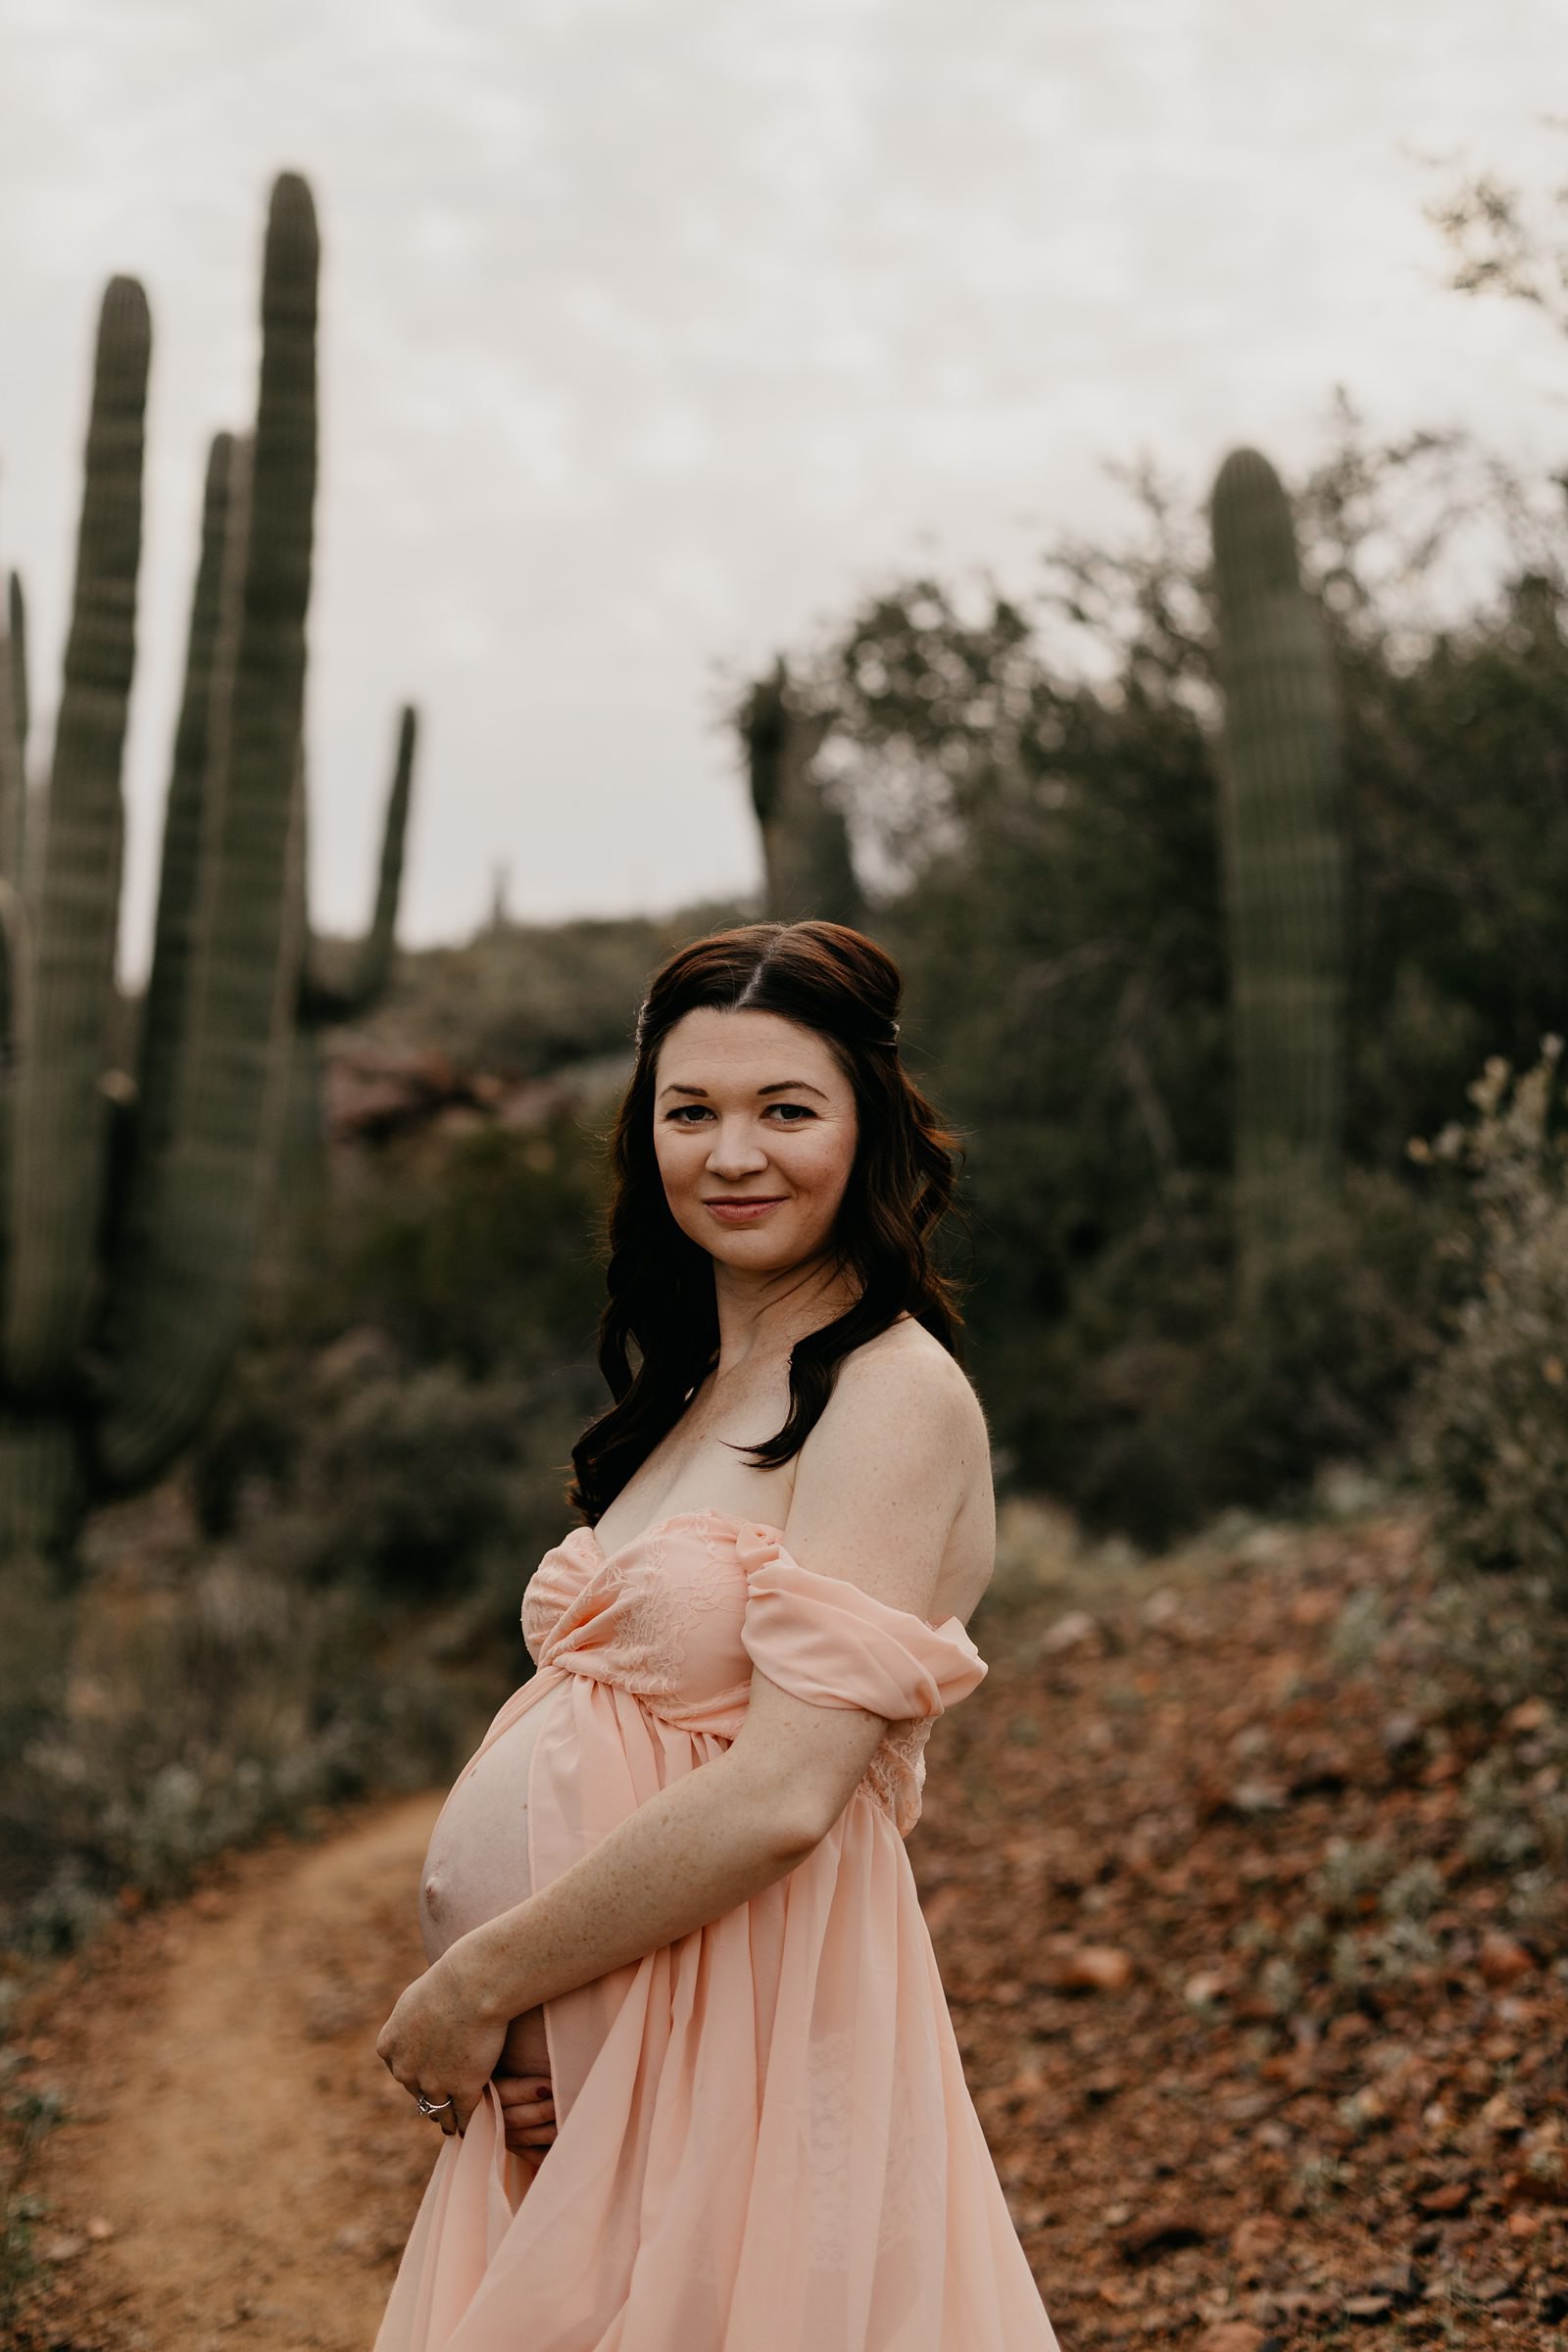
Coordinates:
[1487,1426]
[1150,1407]
[218,1702]
[479,1248]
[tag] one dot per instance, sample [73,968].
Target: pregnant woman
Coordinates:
[682,2028]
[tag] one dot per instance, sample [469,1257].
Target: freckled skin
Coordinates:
[478,1867]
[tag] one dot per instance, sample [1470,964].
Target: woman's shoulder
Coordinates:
[903,1378]
[898,1470]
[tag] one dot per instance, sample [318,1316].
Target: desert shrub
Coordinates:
[1150,1405]
[1488,1424]
[208,1704]
[479,1247]
[418,1421]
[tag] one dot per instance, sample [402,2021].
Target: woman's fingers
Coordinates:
[524,2091]
[527,2114]
[526,2124]
[528,2110]
[533,2144]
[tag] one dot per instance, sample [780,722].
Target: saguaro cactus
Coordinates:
[177,1306]
[1284,864]
[296,1152]
[809,869]
[130,1214]
[13,957]
[59,1138]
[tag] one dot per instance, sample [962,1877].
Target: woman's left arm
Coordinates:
[721,1835]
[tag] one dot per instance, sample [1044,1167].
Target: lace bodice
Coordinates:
[680,1616]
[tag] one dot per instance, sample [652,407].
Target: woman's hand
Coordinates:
[528,2112]
[435,2041]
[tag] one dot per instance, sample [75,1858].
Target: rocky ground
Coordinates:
[1247,1871]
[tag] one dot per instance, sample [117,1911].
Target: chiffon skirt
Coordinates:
[766,2142]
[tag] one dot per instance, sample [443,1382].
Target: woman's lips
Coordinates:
[741,1212]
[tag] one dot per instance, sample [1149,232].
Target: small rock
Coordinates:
[1090,1967]
[64,2248]
[1208,1986]
[1248,2106]
[98,2229]
[1232,2336]
[1400,2280]
[1172,2225]
[1256,2237]
[1069,1632]
[1500,1960]
[1259,1796]
[1367,2306]
[1448,2199]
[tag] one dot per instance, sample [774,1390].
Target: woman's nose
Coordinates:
[734,1149]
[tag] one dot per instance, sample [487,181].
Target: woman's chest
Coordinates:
[662,1617]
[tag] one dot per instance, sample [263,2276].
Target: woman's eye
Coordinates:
[679,1113]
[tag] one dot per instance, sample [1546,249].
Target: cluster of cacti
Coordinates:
[1284,867]
[807,866]
[130,1212]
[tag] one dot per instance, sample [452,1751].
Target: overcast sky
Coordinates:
[655,332]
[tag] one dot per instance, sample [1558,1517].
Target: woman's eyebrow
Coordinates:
[780,1086]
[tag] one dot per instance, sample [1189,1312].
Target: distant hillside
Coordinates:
[524,999]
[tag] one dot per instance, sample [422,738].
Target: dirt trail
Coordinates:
[256,2165]
[1238,2096]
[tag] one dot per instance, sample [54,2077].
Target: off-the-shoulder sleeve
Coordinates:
[826,1641]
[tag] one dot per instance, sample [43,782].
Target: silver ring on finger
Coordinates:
[428,2106]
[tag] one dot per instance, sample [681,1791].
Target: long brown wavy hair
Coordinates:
[837,982]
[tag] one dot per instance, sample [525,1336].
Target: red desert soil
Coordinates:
[1223,1866]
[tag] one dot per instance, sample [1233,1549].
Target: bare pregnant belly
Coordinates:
[477,1864]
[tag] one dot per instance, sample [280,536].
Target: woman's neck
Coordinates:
[759,1321]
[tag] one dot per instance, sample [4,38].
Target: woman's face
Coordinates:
[750,1106]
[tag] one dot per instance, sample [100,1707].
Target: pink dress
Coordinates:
[766,2142]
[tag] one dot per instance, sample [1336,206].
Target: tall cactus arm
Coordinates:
[763,724]
[167,994]
[1283,856]
[806,848]
[190,1315]
[58,1151]
[164,1007]
[21,711]
[13,771]
[321,1001]
[17,624]
[189,820]
[15,962]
